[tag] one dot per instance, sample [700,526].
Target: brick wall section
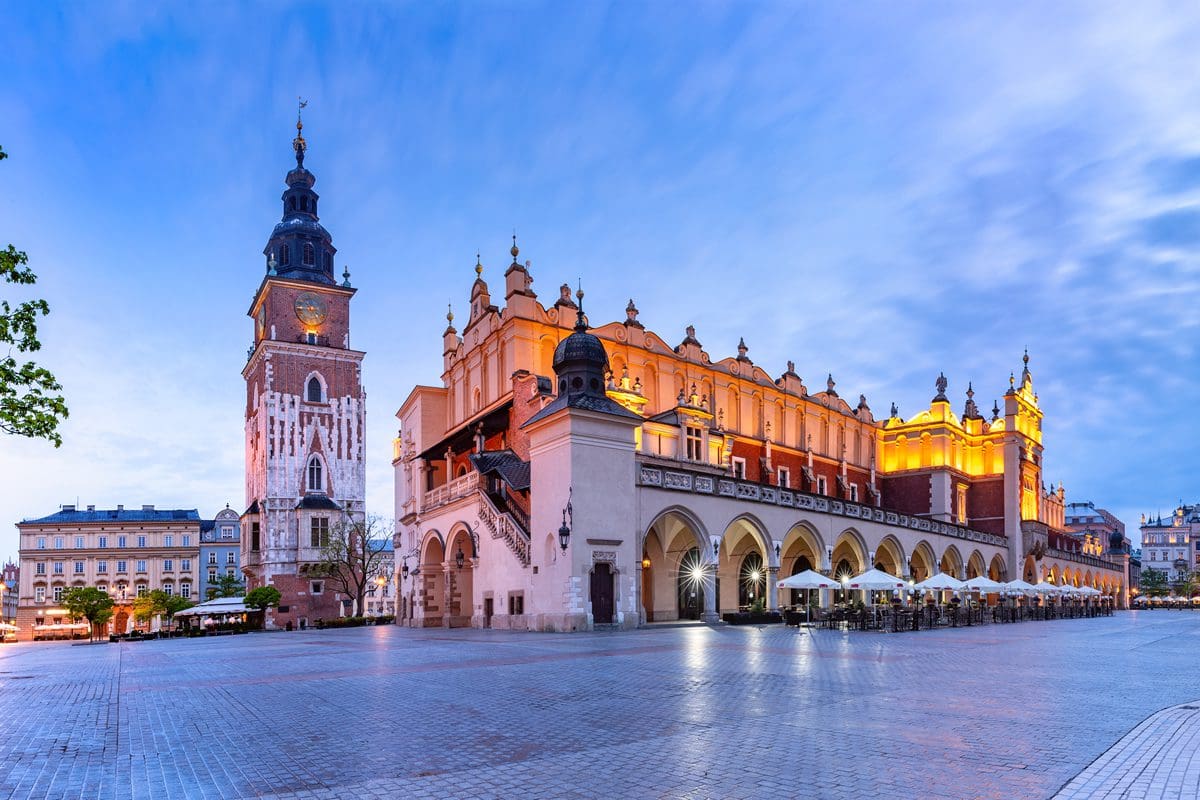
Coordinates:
[297,596]
[907,494]
[985,505]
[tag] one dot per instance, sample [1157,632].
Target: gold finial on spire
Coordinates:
[298,144]
[478,266]
[449,314]
[516,251]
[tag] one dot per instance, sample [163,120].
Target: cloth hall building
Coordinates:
[564,476]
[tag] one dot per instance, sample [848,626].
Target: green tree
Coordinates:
[29,401]
[172,604]
[263,598]
[226,586]
[90,603]
[1154,582]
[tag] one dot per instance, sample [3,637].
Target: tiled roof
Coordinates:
[67,516]
[512,469]
[585,402]
[318,501]
[207,525]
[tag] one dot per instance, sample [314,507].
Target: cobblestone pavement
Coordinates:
[1158,759]
[1001,711]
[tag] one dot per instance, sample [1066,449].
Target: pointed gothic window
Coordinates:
[314,390]
[310,257]
[283,254]
[315,484]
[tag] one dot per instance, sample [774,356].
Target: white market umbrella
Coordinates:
[808,579]
[1047,588]
[941,583]
[874,580]
[984,585]
[1020,587]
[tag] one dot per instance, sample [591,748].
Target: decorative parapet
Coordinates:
[721,486]
[1083,558]
[449,492]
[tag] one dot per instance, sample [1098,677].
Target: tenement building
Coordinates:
[564,476]
[1172,545]
[220,549]
[305,410]
[124,552]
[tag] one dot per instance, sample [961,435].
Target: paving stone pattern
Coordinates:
[1001,711]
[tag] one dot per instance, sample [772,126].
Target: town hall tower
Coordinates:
[305,410]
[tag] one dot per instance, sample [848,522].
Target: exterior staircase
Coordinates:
[504,525]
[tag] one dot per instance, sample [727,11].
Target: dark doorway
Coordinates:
[691,585]
[602,594]
[489,608]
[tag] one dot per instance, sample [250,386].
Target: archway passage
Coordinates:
[996,569]
[690,585]
[742,564]
[671,550]
[752,580]
[921,564]
[1029,573]
[802,549]
[433,583]
[602,594]
[462,583]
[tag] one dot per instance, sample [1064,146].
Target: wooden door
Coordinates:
[602,594]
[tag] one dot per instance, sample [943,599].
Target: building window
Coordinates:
[284,252]
[102,587]
[516,604]
[167,565]
[141,590]
[103,541]
[41,543]
[78,567]
[58,568]
[739,467]
[310,258]
[311,337]
[226,533]
[141,566]
[78,542]
[314,390]
[58,594]
[120,541]
[120,566]
[319,532]
[230,558]
[785,478]
[212,576]
[854,493]
[695,443]
[168,540]
[212,558]
[169,588]
[40,568]
[822,485]
[254,536]
[185,565]
[141,541]
[101,567]
[39,594]
[185,590]
[229,571]
[58,543]
[317,587]
[187,540]
[314,475]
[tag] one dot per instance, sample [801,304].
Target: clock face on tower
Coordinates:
[310,308]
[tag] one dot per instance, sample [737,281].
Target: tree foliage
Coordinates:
[90,603]
[30,404]
[1154,582]
[356,553]
[158,602]
[226,586]
[263,598]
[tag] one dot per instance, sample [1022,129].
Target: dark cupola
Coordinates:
[1116,542]
[580,362]
[300,248]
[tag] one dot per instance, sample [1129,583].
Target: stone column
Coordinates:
[772,592]
[710,614]
[447,592]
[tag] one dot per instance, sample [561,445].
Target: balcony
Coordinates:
[449,492]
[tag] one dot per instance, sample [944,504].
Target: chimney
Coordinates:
[120,508]
[68,508]
[91,508]
[149,507]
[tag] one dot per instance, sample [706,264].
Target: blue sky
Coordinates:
[878,190]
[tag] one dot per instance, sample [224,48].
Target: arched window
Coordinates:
[283,254]
[315,482]
[304,204]
[292,204]
[314,390]
[310,257]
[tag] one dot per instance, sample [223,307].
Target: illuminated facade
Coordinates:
[564,476]
[1172,545]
